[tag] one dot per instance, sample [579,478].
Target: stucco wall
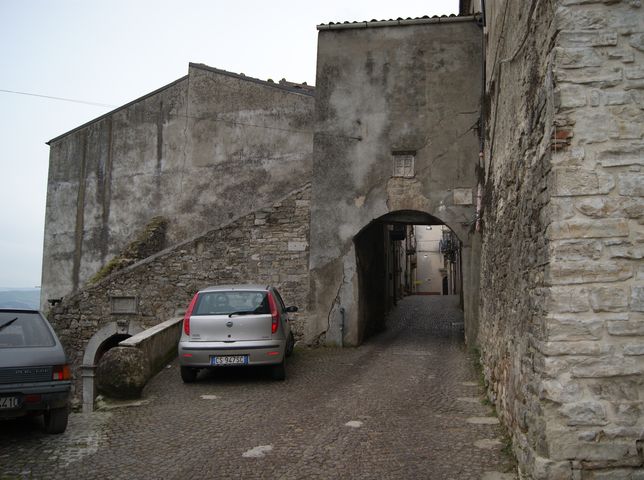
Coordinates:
[197,152]
[379,90]
[561,276]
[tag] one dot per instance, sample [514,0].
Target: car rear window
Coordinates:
[222,303]
[24,329]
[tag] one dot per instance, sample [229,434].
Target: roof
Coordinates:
[240,287]
[398,22]
[283,84]
[300,88]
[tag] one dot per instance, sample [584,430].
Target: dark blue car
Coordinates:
[35,377]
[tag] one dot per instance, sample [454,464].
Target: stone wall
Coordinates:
[562,278]
[197,152]
[267,246]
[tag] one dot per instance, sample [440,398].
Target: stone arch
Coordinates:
[345,322]
[378,266]
[108,333]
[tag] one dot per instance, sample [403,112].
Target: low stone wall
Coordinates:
[158,344]
[124,371]
[268,246]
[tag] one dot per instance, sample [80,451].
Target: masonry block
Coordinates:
[561,390]
[588,229]
[577,57]
[592,77]
[633,327]
[631,184]
[585,348]
[626,413]
[620,155]
[637,298]
[607,366]
[587,38]
[573,328]
[564,299]
[584,413]
[609,299]
[571,181]
[575,249]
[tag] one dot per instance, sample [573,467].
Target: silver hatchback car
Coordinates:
[240,325]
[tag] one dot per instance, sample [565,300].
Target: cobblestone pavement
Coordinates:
[406,404]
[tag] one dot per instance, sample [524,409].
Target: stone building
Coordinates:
[210,146]
[519,125]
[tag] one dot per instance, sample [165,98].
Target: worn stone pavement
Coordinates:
[407,404]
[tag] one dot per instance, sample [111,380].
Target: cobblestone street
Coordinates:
[407,404]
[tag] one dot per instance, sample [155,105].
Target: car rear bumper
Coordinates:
[34,398]
[261,352]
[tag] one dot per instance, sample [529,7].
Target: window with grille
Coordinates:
[403,164]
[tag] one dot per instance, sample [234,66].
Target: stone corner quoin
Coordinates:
[594,333]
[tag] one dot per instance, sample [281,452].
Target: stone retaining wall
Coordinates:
[268,246]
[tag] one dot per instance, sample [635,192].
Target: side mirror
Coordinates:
[291,309]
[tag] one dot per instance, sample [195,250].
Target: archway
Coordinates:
[107,337]
[396,255]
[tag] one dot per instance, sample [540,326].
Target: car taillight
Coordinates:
[186,317]
[61,372]
[275,314]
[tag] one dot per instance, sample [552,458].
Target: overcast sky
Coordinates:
[113,51]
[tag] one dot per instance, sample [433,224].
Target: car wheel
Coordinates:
[188,374]
[290,345]
[56,420]
[278,372]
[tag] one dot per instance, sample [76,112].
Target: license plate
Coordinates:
[8,403]
[220,360]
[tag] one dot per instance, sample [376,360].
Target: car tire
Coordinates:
[188,374]
[56,420]
[290,345]
[278,372]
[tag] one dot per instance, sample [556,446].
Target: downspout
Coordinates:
[481,165]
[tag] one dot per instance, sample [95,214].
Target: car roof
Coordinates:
[243,287]
[19,310]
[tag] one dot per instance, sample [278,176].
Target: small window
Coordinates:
[403,163]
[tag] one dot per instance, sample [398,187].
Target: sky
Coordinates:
[110,52]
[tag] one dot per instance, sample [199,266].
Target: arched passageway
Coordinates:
[400,254]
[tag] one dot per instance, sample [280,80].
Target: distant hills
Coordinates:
[20,298]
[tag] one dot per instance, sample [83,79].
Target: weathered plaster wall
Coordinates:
[267,246]
[561,278]
[379,90]
[197,152]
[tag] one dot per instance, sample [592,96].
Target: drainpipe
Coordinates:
[342,313]
[479,190]
[479,196]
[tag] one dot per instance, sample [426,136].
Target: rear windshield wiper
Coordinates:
[243,312]
[8,323]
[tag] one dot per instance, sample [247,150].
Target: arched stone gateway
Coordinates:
[365,291]
[378,156]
